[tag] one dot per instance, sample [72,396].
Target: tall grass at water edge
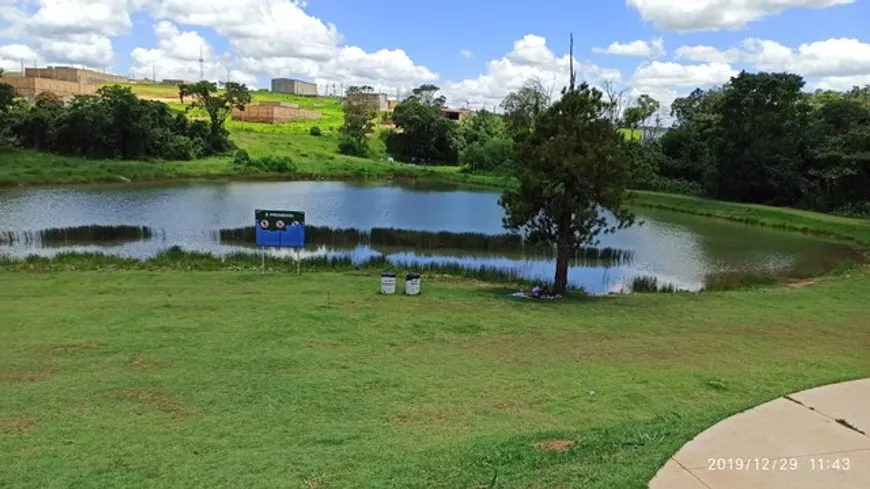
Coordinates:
[77,235]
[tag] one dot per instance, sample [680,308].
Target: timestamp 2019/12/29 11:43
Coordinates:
[779,464]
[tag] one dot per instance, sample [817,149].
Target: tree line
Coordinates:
[760,138]
[114,123]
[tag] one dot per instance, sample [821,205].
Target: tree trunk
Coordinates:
[563,257]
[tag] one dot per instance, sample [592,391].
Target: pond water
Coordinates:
[677,248]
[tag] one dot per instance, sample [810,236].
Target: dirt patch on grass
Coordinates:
[554,445]
[801,284]
[25,376]
[18,425]
[140,363]
[160,401]
[73,348]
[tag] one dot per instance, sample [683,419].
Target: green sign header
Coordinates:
[278,220]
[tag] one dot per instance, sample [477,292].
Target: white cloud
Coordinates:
[466,53]
[832,57]
[529,58]
[665,81]
[707,54]
[276,38]
[177,57]
[68,31]
[829,58]
[652,49]
[700,15]
[12,54]
[841,83]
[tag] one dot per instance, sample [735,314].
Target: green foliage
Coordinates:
[761,139]
[479,127]
[218,105]
[427,95]
[112,124]
[490,155]
[573,170]
[7,99]
[641,112]
[522,107]
[315,131]
[7,96]
[425,135]
[242,162]
[359,121]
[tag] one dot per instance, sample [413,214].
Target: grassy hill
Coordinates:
[330,107]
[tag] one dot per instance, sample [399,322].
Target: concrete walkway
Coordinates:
[816,439]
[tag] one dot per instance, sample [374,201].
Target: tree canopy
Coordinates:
[572,176]
[218,105]
[359,115]
[425,135]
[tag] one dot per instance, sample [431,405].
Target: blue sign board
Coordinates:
[280,228]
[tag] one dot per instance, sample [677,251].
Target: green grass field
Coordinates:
[237,379]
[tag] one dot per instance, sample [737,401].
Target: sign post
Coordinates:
[281,229]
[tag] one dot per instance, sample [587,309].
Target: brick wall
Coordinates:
[31,87]
[274,114]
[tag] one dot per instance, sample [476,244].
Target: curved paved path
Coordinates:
[816,439]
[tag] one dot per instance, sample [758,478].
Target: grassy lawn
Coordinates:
[236,379]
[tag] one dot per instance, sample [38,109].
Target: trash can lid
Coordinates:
[412,276]
[389,274]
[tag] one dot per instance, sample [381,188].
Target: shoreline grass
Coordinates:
[783,218]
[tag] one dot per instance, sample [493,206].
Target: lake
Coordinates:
[677,248]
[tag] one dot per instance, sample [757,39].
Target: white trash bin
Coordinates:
[412,284]
[388,283]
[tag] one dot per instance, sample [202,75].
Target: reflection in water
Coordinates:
[675,248]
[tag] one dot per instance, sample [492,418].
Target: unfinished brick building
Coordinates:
[274,113]
[70,74]
[29,88]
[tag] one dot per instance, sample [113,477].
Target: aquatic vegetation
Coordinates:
[93,234]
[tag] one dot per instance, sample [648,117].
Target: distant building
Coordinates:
[378,101]
[293,87]
[174,81]
[274,113]
[71,74]
[457,115]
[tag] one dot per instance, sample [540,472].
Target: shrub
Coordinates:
[315,131]
[351,147]
[493,155]
[242,162]
[180,148]
[860,210]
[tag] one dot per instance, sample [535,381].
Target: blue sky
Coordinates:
[666,47]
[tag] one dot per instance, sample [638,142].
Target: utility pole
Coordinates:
[201,65]
[153,73]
